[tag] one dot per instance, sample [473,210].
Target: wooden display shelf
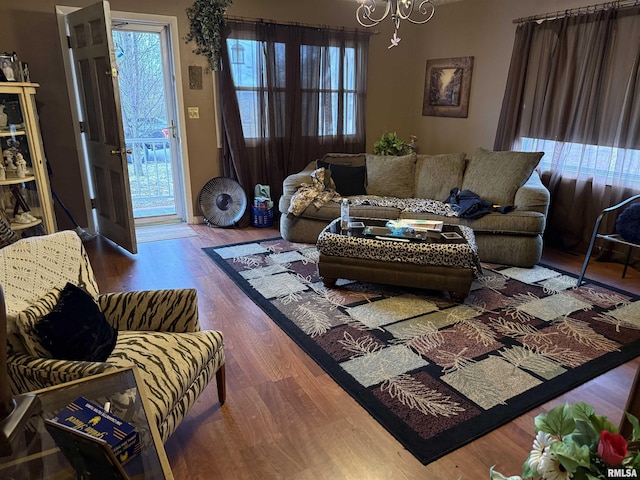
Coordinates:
[12,133]
[16,180]
[15,226]
[26,129]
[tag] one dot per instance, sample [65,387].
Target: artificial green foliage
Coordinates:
[207,22]
[572,442]
[390,144]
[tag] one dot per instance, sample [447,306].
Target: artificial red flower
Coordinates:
[612,448]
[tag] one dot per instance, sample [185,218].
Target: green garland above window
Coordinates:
[207,22]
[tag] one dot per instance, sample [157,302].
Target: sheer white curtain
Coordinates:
[573,92]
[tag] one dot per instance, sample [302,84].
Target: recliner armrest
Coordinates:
[174,310]
[28,373]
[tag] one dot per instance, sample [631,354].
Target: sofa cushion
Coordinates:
[436,175]
[66,324]
[349,180]
[496,176]
[517,223]
[391,176]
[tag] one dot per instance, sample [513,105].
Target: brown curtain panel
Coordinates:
[573,91]
[289,94]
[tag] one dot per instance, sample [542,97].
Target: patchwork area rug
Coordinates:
[434,373]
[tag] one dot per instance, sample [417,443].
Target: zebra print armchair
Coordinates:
[158,330]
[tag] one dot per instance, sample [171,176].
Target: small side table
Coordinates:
[38,457]
[612,237]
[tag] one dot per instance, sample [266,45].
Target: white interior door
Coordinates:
[93,60]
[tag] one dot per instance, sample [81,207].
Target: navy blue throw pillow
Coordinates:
[628,223]
[76,329]
[349,179]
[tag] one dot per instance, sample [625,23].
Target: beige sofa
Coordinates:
[394,186]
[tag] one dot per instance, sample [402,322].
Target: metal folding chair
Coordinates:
[610,237]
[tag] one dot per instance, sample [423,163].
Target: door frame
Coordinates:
[171,23]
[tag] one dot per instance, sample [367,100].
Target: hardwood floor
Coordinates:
[284,417]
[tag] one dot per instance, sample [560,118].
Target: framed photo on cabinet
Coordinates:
[10,68]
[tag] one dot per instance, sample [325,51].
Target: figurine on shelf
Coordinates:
[8,160]
[3,116]
[3,171]
[21,166]
[26,76]
[24,218]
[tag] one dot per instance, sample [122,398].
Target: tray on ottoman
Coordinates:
[435,263]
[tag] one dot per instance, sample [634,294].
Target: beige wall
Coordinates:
[479,28]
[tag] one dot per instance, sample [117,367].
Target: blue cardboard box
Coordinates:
[83,415]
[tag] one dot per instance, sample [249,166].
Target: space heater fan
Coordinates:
[222,202]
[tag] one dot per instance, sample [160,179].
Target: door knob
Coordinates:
[120,152]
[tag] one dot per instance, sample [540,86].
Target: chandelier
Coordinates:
[370,13]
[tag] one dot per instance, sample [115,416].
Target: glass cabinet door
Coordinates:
[25,195]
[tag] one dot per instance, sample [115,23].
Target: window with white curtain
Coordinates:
[574,92]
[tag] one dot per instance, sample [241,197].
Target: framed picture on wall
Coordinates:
[10,68]
[446,87]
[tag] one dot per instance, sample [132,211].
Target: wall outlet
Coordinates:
[193,112]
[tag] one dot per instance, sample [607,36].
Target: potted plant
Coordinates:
[207,22]
[390,144]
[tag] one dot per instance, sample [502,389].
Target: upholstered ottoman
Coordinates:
[436,264]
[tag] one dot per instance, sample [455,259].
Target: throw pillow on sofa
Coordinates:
[389,176]
[351,159]
[26,321]
[349,180]
[436,175]
[497,176]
